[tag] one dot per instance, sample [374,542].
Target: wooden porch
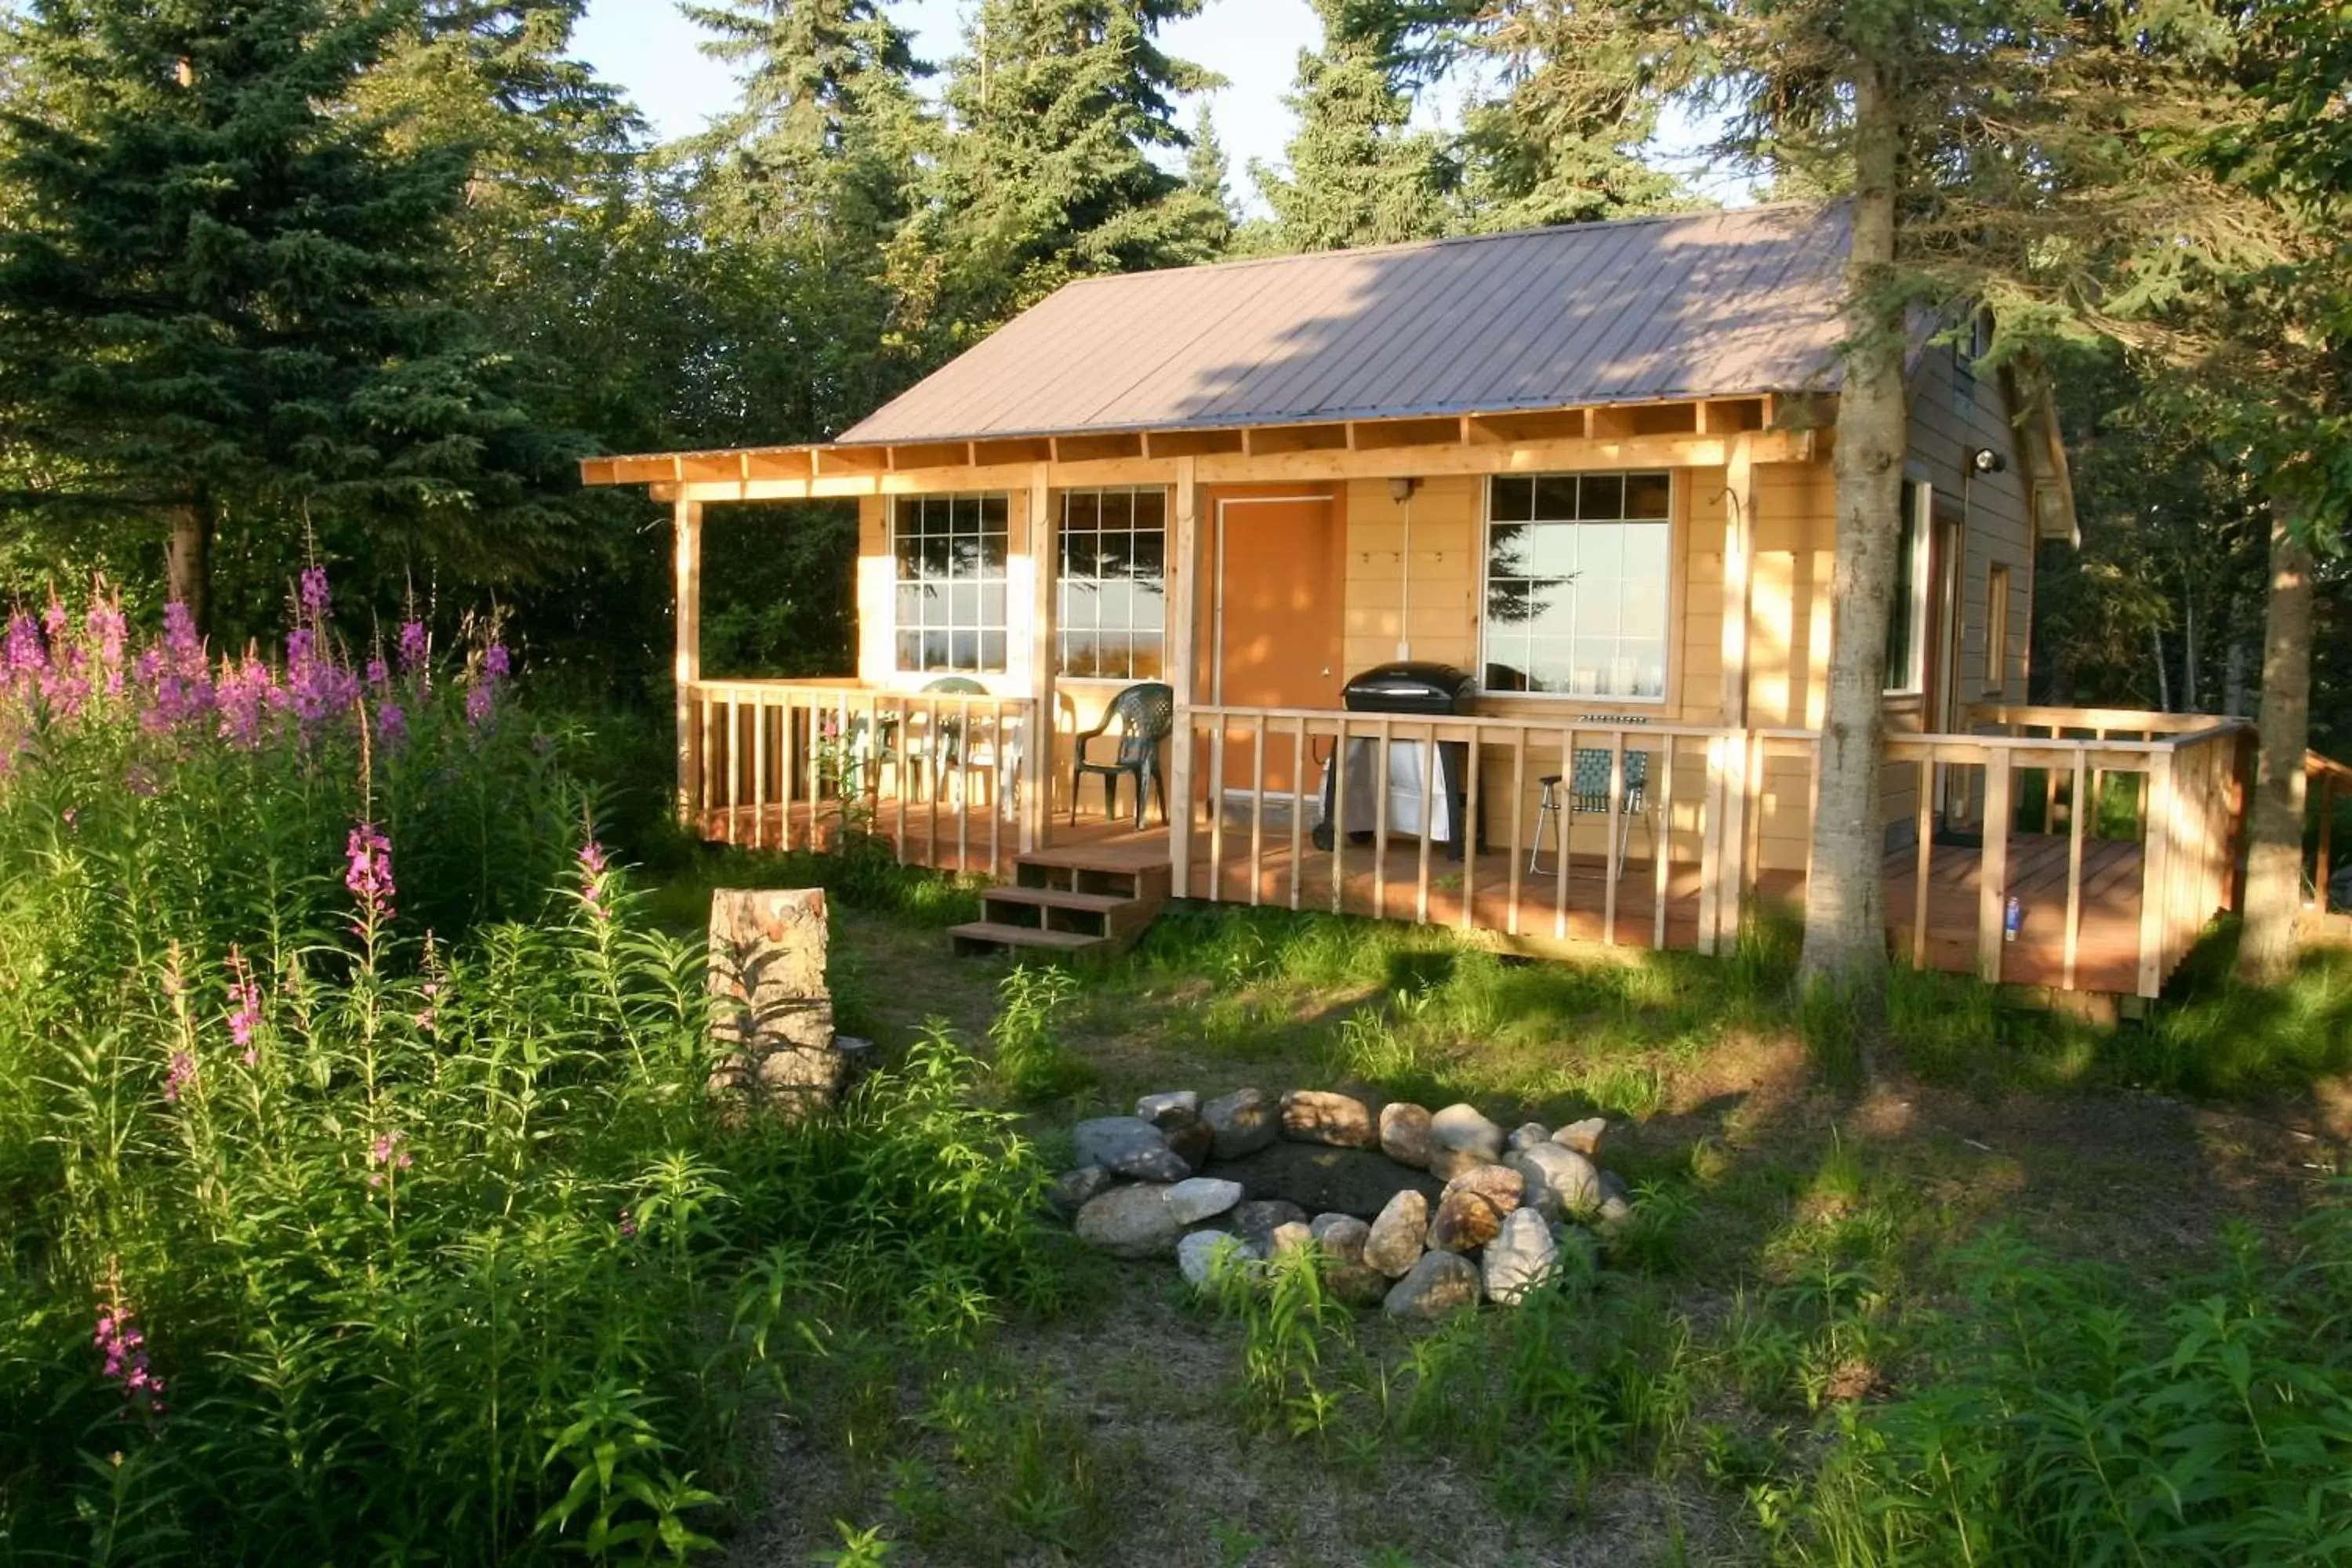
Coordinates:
[2051,849]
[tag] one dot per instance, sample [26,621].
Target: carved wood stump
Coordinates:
[770,1015]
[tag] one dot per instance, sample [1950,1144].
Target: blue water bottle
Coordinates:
[2012,920]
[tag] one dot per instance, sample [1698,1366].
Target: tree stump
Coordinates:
[770,1015]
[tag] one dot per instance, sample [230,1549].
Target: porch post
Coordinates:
[686,567]
[1183,632]
[1037,763]
[1737,775]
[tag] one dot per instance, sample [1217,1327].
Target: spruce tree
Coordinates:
[1208,191]
[226,302]
[1548,150]
[1358,174]
[1058,108]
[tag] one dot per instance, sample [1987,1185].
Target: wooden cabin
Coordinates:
[1589,468]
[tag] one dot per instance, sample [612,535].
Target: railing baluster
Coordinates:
[1993,867]
[1217,809]
[1474,812]
[1383,775]
[1923,857]
[1610,868]
[1257,809]
[1298,810]
[1662,843]
[1338,820]
[1431,797]
[1563,825]
[2327,837]
[2074,834]
[964,751]
[1518,814]
[734,765]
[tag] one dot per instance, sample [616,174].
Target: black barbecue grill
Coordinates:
[1418,687]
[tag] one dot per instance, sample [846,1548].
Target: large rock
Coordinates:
[1560,1181]
[1393,1245]
[1322,1178]
[1197,1198]
[1191,1142]
[1130,1221]
[1291,1236]
[1459,1138]
[1471,1210]
[1440,1285]
[1256,1221]
[1171,1109]
[1358,1284]
[1318,1115]
[1340,1236]
[1129,1146]
[1200,1255]
[1528,1132]
[1240,1122]
[1404,1134]
[1584,1136]
[1520,1258]
[1071,1189]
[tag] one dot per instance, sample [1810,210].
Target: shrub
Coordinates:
[362,1194]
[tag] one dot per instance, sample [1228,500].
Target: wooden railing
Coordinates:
[2322,777]
[791,764]
[1257,795]
[1725,819]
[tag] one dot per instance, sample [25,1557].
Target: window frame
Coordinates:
[1672,637]
[1061,512]
[1922,512]
[981,629]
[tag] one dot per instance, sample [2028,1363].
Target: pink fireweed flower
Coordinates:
[27,654]
[387,1154]
[181,1073]
[55,621]
[245,1016]
[593,865]
[414,645]
[477,702]
[379,674]
[369,874]
[498,662]
[313,592]
[628,1225]
[390,723]
[246,691]
[104,629]
[118,1339]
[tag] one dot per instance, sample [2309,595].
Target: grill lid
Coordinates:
[1411,686]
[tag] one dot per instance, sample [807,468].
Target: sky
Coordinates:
[648,48]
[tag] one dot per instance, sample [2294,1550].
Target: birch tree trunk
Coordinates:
[187,560]
[1846,929]
[2274,843]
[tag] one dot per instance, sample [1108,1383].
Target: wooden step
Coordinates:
[1072,871]
[993,936]
[1108,915]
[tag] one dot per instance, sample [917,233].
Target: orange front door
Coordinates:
[1277,588]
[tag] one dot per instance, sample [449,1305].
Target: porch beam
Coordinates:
[686,573]
[1183,635]
[1037,757]
[1301,464]
[1739,537]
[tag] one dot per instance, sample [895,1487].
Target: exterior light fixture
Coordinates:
[1985,460]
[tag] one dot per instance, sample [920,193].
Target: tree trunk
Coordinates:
[2163,674]
[2274,844]
[2233,674]
[188,561]
[1846,929]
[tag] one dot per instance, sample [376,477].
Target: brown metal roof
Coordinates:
[1642,310]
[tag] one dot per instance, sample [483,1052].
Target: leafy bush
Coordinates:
[2058,1419]
[363,1191]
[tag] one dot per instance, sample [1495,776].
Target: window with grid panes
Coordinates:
[947,559]
[1113,586]
[1578,577]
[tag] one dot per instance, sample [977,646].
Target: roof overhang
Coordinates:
[855,467]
